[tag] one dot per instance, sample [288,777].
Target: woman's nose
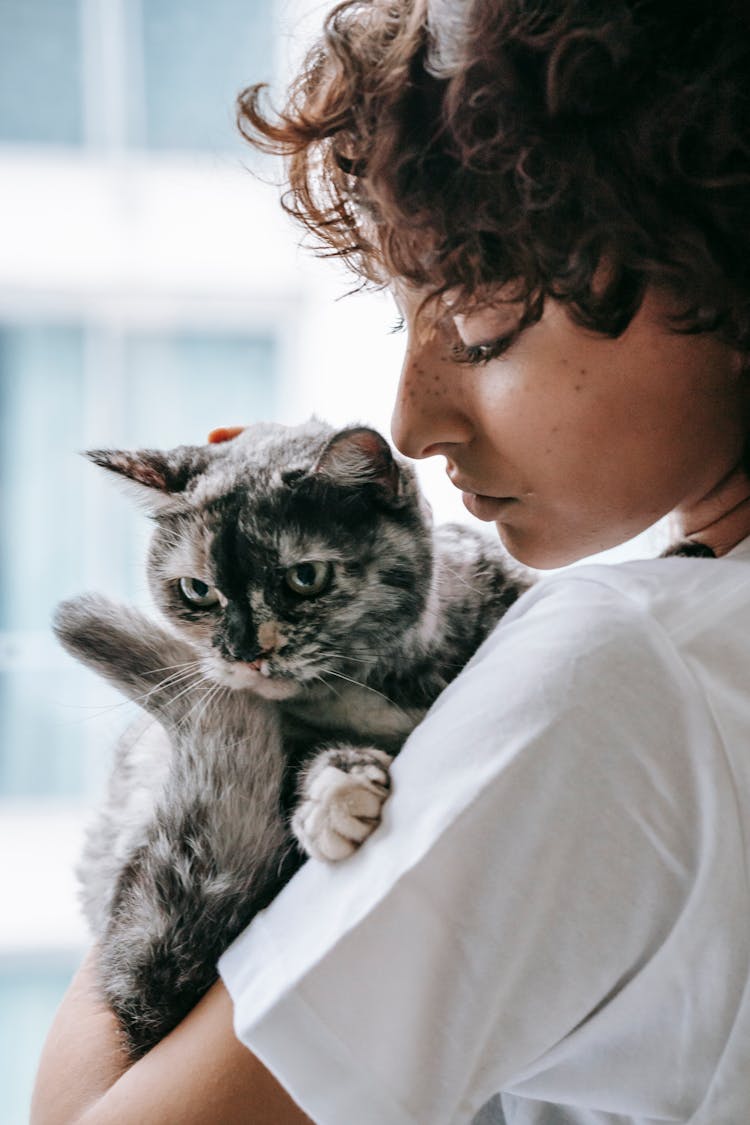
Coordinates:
[429,416]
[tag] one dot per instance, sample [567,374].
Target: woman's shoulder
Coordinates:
[682,597]
[663,632]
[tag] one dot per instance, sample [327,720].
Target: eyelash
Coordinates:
[476,355]
[471,355]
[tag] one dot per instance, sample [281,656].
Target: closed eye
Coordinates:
[475,355]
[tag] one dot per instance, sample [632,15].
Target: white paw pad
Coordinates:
[342,796]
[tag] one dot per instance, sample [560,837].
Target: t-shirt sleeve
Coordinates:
[539,844]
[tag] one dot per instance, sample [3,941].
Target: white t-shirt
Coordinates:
[556,905]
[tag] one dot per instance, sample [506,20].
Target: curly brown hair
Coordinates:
[527,143]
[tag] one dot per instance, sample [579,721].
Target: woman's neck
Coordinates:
[721,519]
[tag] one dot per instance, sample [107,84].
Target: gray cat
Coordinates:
[313,617]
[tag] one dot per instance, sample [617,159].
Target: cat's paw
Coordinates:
[78,619]
[341,797]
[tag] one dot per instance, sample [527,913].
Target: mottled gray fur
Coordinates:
[335,614]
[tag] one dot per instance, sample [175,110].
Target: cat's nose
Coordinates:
[248,654]
[242,649]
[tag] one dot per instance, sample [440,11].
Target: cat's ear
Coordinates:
[157,478]
[360,456]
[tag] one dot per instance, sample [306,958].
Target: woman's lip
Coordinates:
[487,508]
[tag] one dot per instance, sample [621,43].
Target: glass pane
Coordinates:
[41,474]
[181,386]
[196,57]
[30,993]
[40,72]
[42,516]
[58,726]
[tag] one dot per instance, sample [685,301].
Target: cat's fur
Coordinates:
[271,706]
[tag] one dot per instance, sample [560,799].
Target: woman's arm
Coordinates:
[199,1074]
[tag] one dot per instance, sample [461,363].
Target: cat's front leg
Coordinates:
[142,659]
[341,794]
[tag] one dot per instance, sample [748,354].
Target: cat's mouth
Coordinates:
[253,675]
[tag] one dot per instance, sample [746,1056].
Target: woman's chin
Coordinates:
[538,552]
[545,550]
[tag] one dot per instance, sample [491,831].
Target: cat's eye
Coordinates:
[198,593]
[308,579]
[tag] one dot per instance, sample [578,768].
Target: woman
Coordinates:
[552,926]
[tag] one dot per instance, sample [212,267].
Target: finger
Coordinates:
[224,433]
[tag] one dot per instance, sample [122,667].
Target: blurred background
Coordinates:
[150,290]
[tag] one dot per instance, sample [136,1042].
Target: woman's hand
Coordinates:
[224,433]
[198,1075]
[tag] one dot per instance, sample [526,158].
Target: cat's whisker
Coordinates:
[178,676]
[367,687]
[188,716]
[371,660]
[206,700]
[99,711]
[195,683]
[318,678]
[171,667]
[462,581]
[170,682]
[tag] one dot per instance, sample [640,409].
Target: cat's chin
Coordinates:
[243,677]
